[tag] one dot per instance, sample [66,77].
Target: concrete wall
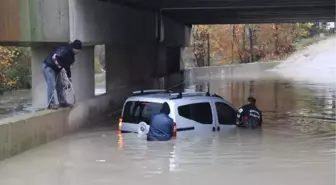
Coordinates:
[22,133]
[94,22]
[99,22]
[130,67]
[10,28]
[251,70]
[49,20]
[176,33]
[25,22]
[83,74]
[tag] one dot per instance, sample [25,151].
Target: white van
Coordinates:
[190,111]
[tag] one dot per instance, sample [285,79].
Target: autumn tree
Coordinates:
[245,43]
[7,57]
[228,40]
[200,38]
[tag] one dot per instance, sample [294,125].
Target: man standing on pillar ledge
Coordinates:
[59,60]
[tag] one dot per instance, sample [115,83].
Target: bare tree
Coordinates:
[200,39]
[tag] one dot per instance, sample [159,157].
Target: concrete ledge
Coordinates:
[22,133]
[230,71]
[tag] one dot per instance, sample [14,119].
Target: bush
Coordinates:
[15,69]
[307,42]
[97,66]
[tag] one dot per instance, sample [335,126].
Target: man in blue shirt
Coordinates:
[161,125]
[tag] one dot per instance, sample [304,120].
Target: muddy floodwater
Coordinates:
[296,146]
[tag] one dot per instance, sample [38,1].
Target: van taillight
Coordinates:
[119,124]
[175,130]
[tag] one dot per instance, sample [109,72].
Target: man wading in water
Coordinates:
[161,126]
[249,116]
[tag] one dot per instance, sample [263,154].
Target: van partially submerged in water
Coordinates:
[191,112]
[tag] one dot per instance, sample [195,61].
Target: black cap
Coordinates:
[77,44]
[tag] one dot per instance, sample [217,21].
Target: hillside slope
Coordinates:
[316,63]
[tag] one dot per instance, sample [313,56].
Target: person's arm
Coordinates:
[68,72]
[59,57]
[239,115]
[261,118]
[172,127]
[54,58]
[68,69]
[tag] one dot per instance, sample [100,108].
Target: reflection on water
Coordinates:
[296,146]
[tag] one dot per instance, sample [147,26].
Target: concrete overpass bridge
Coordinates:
[143,41]
[237,11]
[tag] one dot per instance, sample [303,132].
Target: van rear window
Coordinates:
[138,111]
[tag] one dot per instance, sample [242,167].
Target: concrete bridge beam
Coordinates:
[25,22]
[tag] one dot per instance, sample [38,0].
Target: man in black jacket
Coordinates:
[249,116]
[59,60]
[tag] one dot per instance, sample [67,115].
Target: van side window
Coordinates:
[199,112]
[226,114]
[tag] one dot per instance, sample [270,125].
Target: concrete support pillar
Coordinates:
[175,81]
[83,74]
[39,88]
[117,75]
[130,67]
[169,67]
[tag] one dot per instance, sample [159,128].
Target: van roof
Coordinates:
[166,97]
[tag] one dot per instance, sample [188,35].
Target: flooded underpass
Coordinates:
[295,146]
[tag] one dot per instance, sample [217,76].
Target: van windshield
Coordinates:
[138,111]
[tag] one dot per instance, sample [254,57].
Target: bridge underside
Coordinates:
[236,12]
